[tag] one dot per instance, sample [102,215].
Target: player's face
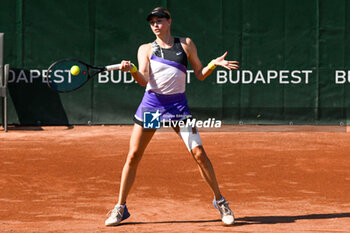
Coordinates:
[159,25]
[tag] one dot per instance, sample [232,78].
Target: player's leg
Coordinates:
[139,140]
[206,170]
[193,142]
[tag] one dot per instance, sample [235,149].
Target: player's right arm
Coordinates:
[142,74]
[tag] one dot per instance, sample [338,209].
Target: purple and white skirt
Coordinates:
[171,107]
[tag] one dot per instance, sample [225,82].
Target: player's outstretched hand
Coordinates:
[220,61]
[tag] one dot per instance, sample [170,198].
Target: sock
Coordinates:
[222,199]
[123,206]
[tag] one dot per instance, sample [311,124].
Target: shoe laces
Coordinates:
[115,213]
[225,208]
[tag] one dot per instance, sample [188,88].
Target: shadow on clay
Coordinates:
[255,219]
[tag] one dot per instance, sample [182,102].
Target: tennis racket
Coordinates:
[60,79]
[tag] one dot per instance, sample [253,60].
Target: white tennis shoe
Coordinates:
[117,215]
[226,213]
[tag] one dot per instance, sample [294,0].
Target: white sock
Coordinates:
[123,206]
[222,198]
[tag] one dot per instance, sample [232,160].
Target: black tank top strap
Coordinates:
[176,53]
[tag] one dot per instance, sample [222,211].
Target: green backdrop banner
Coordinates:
[294,59]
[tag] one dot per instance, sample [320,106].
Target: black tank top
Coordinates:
[176,53]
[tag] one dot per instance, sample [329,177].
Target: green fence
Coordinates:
[294,58]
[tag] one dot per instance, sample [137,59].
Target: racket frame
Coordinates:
[89,74]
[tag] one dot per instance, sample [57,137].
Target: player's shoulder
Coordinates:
[187,45]
[186,41]
[145,47]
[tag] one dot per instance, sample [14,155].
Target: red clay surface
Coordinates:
[57,179]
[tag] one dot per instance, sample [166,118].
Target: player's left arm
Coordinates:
[200,71]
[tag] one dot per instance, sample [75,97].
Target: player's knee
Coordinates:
[200,156]
[133,158]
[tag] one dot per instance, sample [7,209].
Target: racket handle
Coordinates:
[113,67]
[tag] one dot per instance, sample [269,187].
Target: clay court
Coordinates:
[277,179]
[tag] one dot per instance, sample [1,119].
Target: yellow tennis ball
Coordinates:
[75,70]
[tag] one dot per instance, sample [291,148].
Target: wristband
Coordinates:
[211,65]
[133,69]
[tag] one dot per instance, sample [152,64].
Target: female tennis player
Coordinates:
[162,69]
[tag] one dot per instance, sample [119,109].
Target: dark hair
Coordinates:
[159,12]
